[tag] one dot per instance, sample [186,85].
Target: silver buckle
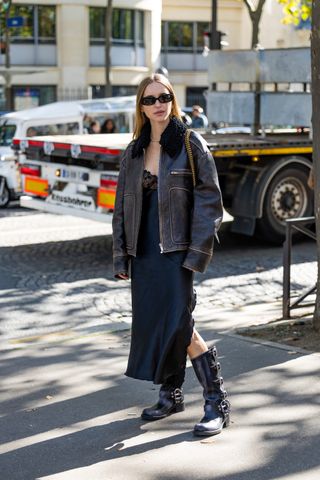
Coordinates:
[219,381]
[177,395]
[224,406]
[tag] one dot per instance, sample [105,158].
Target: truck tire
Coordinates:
[287,196]
[4,193]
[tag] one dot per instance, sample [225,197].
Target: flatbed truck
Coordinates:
[263,176]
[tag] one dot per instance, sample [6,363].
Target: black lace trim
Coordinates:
[149,180]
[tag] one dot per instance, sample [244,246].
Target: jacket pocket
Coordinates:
[129,211]
[180,205]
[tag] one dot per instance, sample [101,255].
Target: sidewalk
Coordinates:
[69,413]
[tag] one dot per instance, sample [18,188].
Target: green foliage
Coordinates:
[296,11]
[6,5]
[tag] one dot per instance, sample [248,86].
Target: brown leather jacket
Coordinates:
[189,217]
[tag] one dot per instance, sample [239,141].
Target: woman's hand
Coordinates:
[123,276]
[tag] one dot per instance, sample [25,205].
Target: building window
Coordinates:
[180,35]
[96,19]
[201,28]
[33,96]
[39,24]
[122,24]
[98,91]
[46,24]
[195,96]
[2,100]
[23,34]
[127,25]
[183,36]
[140,27]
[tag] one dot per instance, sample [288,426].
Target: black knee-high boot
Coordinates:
[217,405]
[170,401]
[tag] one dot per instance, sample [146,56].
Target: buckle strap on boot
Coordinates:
[177,396]
[224,407]
[170,401]
[217,405]
[213,356]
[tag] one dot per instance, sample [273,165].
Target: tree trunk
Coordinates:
[7,76]
[108,42]
[255,16]
[315,79]
[255,30]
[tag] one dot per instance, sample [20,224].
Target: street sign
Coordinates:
[15,22]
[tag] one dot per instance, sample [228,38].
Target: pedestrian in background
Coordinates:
[163,232]
[186,118]
[199,120]
[94,127]
[108,126]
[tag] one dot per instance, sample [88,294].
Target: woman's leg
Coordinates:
[197,346]
[171,399]
[207,369]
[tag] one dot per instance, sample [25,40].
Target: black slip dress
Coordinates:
[162,300]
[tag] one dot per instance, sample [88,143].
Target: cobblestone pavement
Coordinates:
[56,274]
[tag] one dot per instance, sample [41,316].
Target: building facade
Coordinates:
[58,53]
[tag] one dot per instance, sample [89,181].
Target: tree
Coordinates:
[315,88]
[255,8]
[295,11]
[5,7]
[108,43]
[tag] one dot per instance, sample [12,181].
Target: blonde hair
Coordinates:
[141,119]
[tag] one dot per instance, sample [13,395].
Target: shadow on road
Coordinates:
[91,257]
[76,431]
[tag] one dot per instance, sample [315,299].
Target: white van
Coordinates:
[59,118]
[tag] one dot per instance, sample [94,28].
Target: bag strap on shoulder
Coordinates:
[190,156]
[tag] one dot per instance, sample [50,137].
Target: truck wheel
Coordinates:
[4,193]
[287,196]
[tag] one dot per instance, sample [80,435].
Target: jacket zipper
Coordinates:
[184,172]
[159,204]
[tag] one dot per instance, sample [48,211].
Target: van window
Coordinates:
[54,129]
[7,132]
[120,120]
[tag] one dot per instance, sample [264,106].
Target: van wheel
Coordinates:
[4,193]
[288,196]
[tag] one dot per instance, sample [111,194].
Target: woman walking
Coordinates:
[164,223]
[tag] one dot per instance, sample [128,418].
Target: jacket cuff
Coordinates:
[120,265]
[196,260]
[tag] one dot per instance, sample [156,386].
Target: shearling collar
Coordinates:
[171,139]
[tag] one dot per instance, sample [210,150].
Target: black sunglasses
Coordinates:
[151,100]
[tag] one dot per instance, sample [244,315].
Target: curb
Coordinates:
[268,343]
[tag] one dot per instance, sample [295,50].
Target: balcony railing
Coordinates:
[302,225]
[121,55]
[184,61]
[26,54]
